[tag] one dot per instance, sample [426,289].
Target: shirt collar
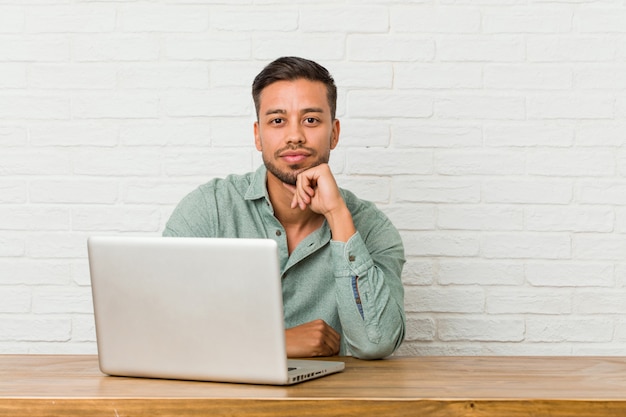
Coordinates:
[258,185]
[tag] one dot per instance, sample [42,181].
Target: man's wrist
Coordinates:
[341,224]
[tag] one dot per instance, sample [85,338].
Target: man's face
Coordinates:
[295,130]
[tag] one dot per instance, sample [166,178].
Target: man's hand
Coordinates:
[317,189]
[315,338]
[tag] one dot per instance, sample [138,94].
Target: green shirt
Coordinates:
[355,287]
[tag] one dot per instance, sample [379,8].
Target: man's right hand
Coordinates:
[315,338]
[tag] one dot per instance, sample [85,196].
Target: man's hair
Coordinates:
[291,68]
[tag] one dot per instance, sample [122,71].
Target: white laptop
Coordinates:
[194,309]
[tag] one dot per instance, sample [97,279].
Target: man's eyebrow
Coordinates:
[303,111]
[275,111]
[313,110]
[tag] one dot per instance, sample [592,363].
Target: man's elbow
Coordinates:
[374,351]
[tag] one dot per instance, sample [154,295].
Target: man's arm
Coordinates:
[370,295]
[369,287]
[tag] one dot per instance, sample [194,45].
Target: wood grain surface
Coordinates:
[66,385]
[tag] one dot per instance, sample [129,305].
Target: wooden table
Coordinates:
[61,385]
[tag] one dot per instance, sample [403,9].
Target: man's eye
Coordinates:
[277,121]
[310,120]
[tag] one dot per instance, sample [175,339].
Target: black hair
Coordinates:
[292,68]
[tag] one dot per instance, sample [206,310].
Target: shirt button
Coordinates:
[351,258]
[278,233]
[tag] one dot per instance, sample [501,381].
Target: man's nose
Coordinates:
[295,134]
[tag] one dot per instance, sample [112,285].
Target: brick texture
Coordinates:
[491,133]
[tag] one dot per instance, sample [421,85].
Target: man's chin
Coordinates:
[289,178]
[290,174]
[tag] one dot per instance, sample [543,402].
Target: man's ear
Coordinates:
[257,137]
[334,138]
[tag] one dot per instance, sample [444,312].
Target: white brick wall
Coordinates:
[491,132]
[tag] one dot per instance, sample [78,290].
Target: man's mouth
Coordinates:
[294,158]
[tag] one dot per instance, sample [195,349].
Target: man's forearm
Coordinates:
[341,224]
[369,299]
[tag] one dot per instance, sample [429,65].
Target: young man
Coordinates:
[341,258]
